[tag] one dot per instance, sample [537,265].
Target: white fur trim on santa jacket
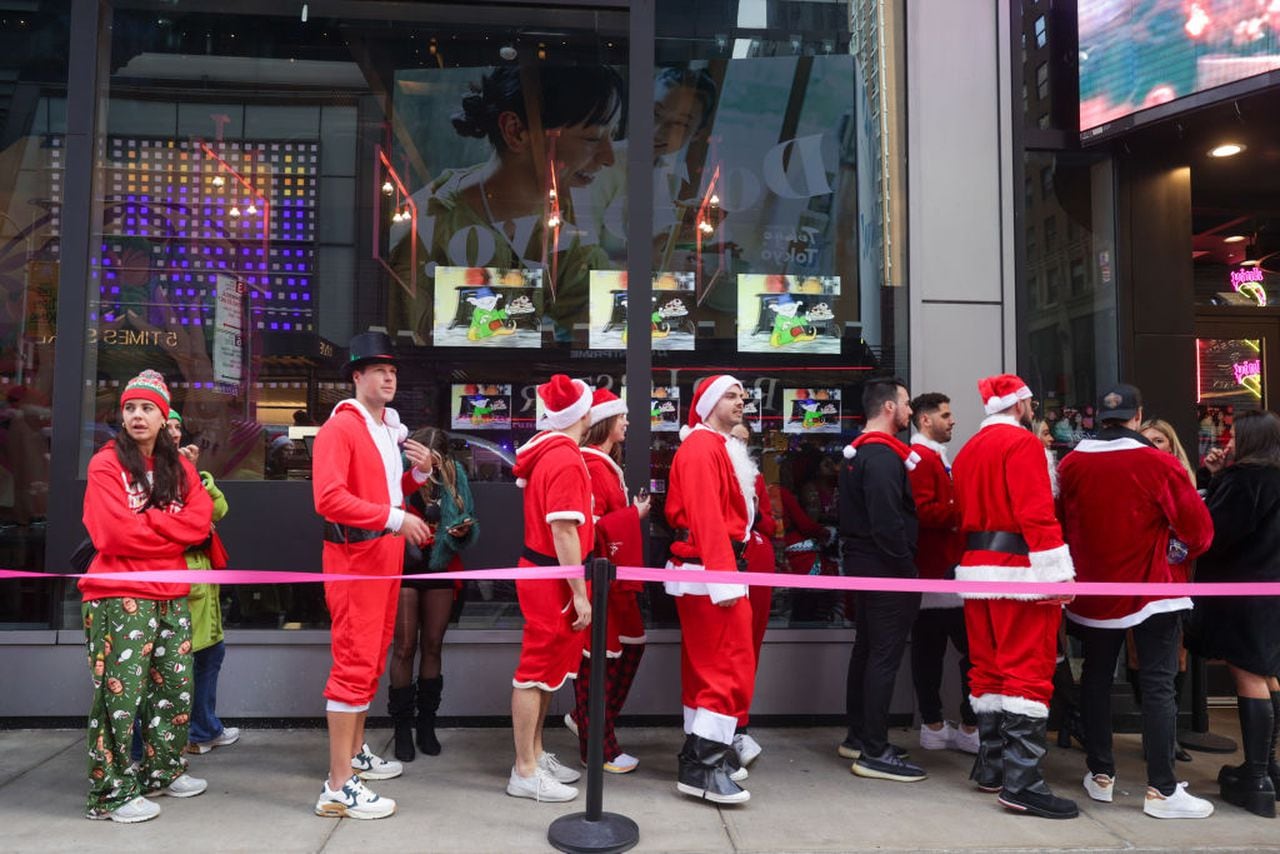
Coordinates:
[1002,485]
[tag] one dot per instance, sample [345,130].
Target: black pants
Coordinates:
[1157,638]
[933,628]
[882,622]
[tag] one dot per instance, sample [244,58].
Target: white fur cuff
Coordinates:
[987,703]
[1023,706]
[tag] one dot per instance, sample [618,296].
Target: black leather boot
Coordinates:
[1024,790]
[703,773]
[1273,767]
[1247,785]
[400,707]
[428,701]
[987,771]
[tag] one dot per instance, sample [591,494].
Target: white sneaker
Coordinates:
[569,723]
[1100,787]
[229,735]
[561,773]
[541,787]
[137,810]
[369,766]
[623,763]
[185,786]
[354,800]
[747,748]
[936,739]
[965,742]
[1181,804]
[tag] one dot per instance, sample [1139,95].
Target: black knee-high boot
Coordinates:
[400,707]
[988,765]
[429,691]
[1273,767]
[1247,785]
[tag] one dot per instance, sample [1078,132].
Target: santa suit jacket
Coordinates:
[355,482]
[617,520]
[710,497]
[1121,498]
[940,543]
[557,487]
[1002,485]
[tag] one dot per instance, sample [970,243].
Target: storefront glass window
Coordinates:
[33,40]
[778,250]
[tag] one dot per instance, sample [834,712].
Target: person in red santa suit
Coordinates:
[1121,476]
[1011,535]
[617,538]
[559,530]
[760,558]
[939,546]
[356,484]
[710,507]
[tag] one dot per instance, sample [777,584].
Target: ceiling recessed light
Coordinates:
[1229,149]
[1235,238]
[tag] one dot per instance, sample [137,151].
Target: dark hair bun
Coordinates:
[476,118]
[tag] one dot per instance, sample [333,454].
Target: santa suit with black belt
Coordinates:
[1002,488]
[557,487]
[710,505]
[356,484]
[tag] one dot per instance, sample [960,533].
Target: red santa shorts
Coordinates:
[626,623]
[1013,650]
[549,648]
[363,615]
[717,665]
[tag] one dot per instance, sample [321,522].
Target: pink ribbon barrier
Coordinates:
[646,573]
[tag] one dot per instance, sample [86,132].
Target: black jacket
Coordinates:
[1244,501]
[878,525]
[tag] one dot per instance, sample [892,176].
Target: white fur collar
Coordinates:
[1001,418]
[937,447]
[746,471]
[617,469]
[390,419]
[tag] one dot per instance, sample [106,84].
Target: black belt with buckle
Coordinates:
[538,558]
[346,535]
[739,551]
[1005,542]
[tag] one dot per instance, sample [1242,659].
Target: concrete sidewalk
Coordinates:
[261,792]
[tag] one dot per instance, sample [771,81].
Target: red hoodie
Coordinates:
[557,487]
[130,539]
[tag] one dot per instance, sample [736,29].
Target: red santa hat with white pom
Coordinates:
[605,404]
[705,398]
[564,402]
[1001,392]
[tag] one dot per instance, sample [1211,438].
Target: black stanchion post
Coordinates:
[1199,738]
[595,830]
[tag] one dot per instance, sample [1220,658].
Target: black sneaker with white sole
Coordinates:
[888,767]
[851,748]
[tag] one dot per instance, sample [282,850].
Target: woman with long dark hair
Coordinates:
[442,498]
[1244,631]
[144,506]
[618,538]
[551,129]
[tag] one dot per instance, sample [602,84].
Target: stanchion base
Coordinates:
[1206,742]
[576,835]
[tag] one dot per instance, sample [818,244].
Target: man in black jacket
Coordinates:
[878,529]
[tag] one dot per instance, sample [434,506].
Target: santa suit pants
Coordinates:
[1013,647]
[363,617]
[717,665]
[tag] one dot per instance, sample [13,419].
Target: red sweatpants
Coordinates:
[717,665]
[1013,647]
[363,615]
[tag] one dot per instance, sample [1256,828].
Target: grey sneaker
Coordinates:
[541,787]
[369,766]
[548,762]
[229,735]
[137,810]
[185,786]
[353,800]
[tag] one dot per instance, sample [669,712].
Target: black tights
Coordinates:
[421,621]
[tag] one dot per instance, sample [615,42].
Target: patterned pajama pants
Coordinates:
[139,654]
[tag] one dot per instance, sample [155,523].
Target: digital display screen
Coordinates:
[1229,372]
[480,406]
[1140,54]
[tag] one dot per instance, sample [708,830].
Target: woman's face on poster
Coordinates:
[581,151]
[676,117]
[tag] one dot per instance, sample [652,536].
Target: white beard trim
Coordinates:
[745,469]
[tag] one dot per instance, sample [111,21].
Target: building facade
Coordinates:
[636,193]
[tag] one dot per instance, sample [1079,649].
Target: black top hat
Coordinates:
[368,348]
